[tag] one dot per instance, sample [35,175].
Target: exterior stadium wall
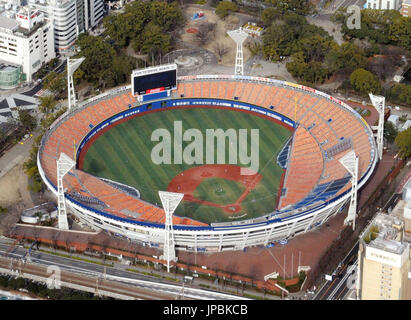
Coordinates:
[217,237]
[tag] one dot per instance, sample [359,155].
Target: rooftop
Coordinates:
[9,24]
[385,233]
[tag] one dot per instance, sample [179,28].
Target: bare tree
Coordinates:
[54,239]
[231,268]
[205,32]
[255,272]
[220,49]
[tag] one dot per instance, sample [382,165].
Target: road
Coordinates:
[97,285]
[150,284]
[337,288]
[336,4]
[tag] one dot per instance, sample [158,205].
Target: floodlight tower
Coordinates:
[72,66]
[170,201]
[64,165]
[350,163]
[379,103]
[239,37]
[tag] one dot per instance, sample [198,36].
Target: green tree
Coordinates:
[365,82]
[56,82]
[400,93]
[381,26]
[120,28]
[290,33]
[278,41]
[31,170]
[47,104]
[224,8]
[166,16]
[27,121]
[345,56]
[300,7]
[390,132]
[152,41]
[315,47]
[269,15]
[99,56]
[400,31]
[403,141]
[127,27]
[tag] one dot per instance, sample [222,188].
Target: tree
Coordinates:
[120,28]
[290,33]
[47,104]
[31,169]
[315,47]
[345,56]
[403,141]
[125,28]
[27,121]
[98,55]
[167,16]
[224,8]
[269,15]
[382,26]
[278,40]
[390,132]
[309,71]
[152,41]
[300,7]
[400,93]
[220,49]
[56,82]
[400,32]
[365,82]
[205,32]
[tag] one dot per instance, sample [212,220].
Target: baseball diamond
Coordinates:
[123,154]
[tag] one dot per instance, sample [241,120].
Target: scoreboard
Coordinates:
[154,79]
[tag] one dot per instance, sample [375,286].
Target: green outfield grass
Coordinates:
[123,154]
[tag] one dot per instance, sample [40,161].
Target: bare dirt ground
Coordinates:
[13,187]
[14,195]
[332,28]
[220,33]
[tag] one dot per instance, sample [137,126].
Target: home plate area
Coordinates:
[216,185]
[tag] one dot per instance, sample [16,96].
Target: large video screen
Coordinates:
[155,82]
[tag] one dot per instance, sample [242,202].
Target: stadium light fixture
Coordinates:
[170,201]
[239,37]
[64,165]
[72,66]
[350,163]
[379,103]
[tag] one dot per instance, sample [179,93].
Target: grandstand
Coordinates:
[315,185]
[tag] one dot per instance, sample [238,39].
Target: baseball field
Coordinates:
[213,192]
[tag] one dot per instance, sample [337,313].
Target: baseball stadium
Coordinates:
[299,184]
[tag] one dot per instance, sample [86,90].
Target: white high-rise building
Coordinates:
[70,18]
[63,14]
[93,12]
[26,41]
